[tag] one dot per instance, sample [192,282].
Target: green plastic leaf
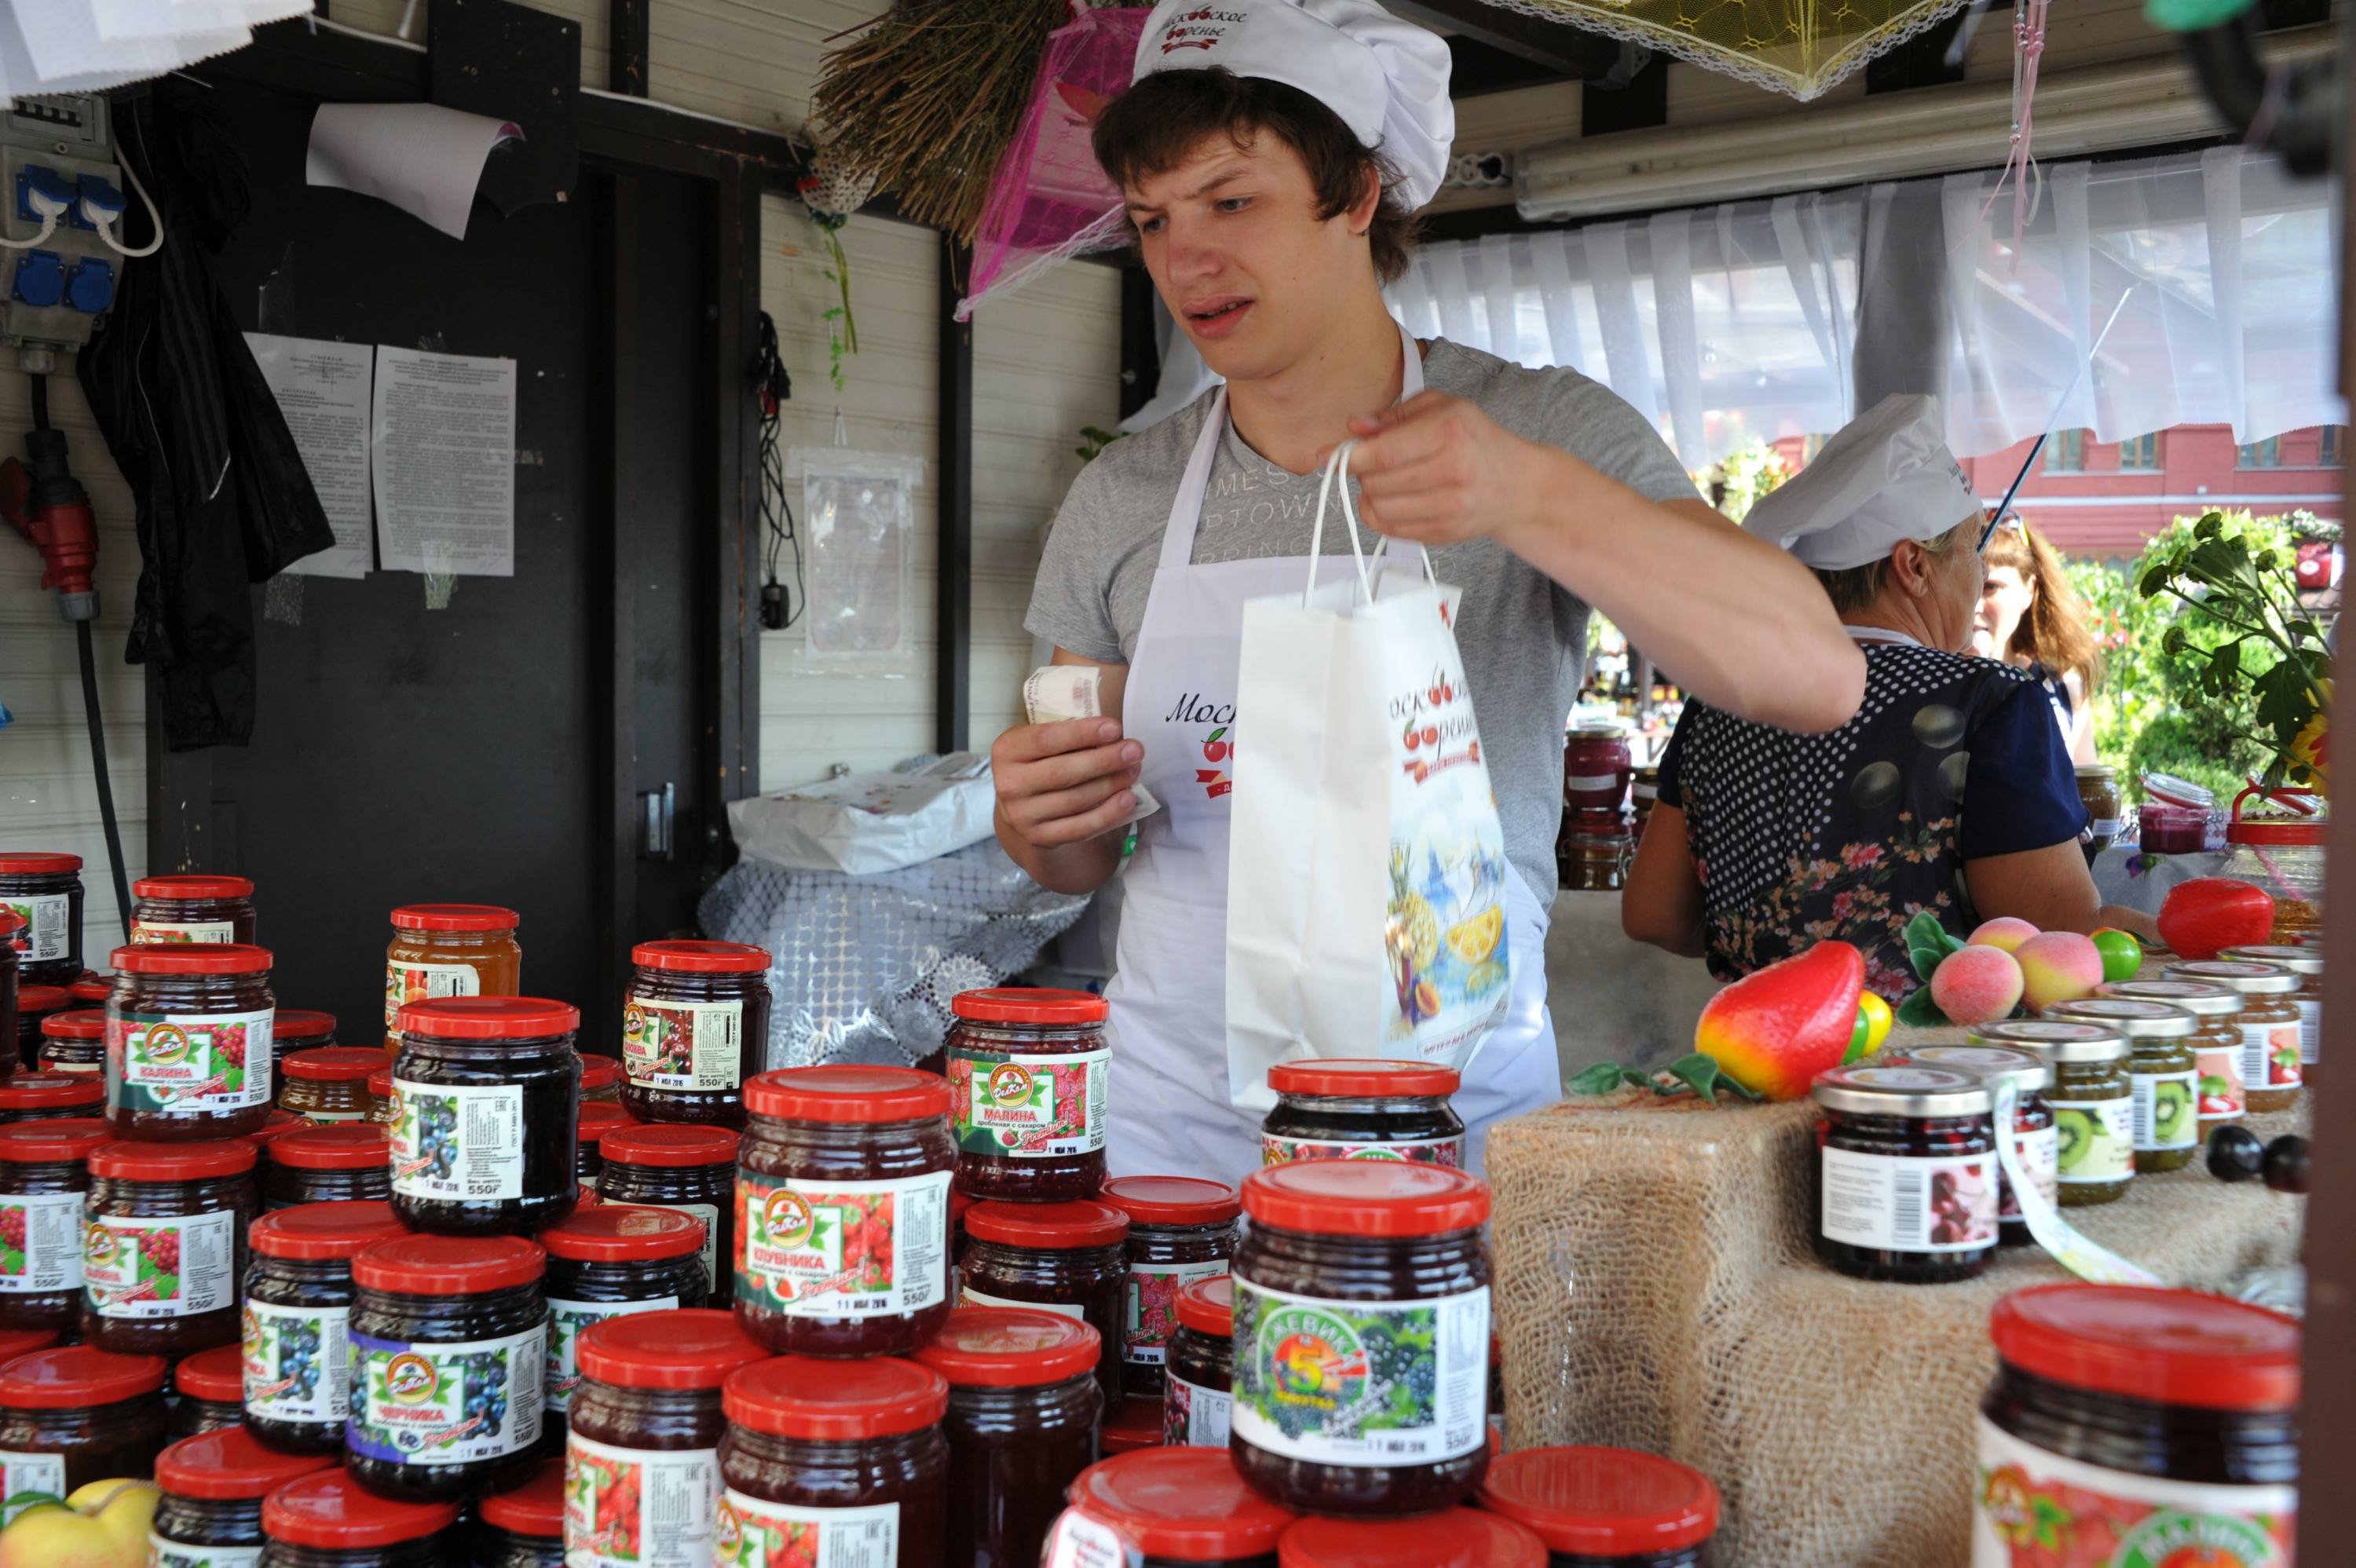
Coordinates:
[1699,1071]
[1955,943]
[1634,1079]
[1601,1079]
[1925,931]
[1926,959]
[1918,1011]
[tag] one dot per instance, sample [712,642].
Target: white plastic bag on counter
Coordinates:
[871,822]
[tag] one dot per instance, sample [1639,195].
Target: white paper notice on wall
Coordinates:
[422,157]
[323,388]
[442,442]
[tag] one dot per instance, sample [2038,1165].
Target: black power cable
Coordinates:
[771,387]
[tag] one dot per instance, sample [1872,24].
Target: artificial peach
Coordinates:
[2058,967]
[2005,932]
[1976,984]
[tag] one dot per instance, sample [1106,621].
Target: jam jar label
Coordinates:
[566,1319]
[2039,1153]
[969,1296]
[184,1063]
[1277,1150]
[707,1212]
[1193,1414]
[159,934]
[1075,1540]
[1943,1204]
[752,1533]
[40,1242]
[406,983]
[164,1554]
[2097,1139]
[29,1479]
[1152,1308]
[421,1402]
[1027,1107]
[175,1266]
[1361,1383]
[297,1362]
[2032,1508]
[639,1508]
[2271,1056]
[45,917]
[842,1249]
[683,1045]
[2310,1030]
[2167,1110]
[2222,1098]
[458,1142]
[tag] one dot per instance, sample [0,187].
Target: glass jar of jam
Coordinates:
[1458,1535]
[2270,1021]
[2092,1096]
[45,893]
[1064,1257]
[2305,962]
[299,1028]
[1022,1416]
[842,1207]
[2034,1142]
[51,1096]
[642,1465]
[379,1092]
[597,1119]
[2131,1425]
[696,1010]
[2216,1044]
[487,1103]
[44,1175]
[449,1345]
[522,1526]
[34,1006]
[1908,1168]
[298,1350]
[1139,1425]
[817,1448]
[91,990]
[1180,1229]
[1362,1108]
[16,1342]
[1613,1507]
[1596,768]
[1175,1506]
[330,1084]
[448,950]
[327,1519]
[2163,1072]
[1593,862]
[1388,1257]
[210,1390]
[209,1515]
[1644,792]
[345,1163]
[280,1124]
[73,1416]
[1027,1073]
[611,1262]
[211,910]
[163,1245]
[1201,1365]
[2098,791]
[74,1041]
[600,1081]
[691,1168]
[187,1050]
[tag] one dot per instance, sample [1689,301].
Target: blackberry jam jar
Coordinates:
[2216,1044]
[1178,1506]
[1201,1365]
[814,1448]
[1023,1417]
[327,1519]
[2271,1023]
[486,1108]
[1347,1108]
[1606,1508]
[52,1096]
[664,1164]
[2093,1097]
[298,1350]
[448,950]
[187,1043]
[1458,1536]
[163,1245]
[694,1010]
[842,1207]
[44,1176]
[75,1041]
[1375,1273]
[1180,1229]
[1907,1173]
[73,1416]
[170,911]
[328,1085]
[611,1262]
[522,1526]
[2033,1140]
[342,1164]
[45,892]
[209,1515]
[1069,1258]
[211,1389]
[2163,1076]
[449,1344]
[1028,1072]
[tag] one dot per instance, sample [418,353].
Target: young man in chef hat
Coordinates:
[1271,152]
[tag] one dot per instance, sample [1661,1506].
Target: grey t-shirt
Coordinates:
[1523,635]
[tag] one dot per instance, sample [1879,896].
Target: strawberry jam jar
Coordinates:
[297,1350]
[327,1519]
[486,1106]
[1180,1229]
[814,1448]
[1028,1071]
[44,1177]
[1177,1507]
[1362,1108]
[73,1416]
[163,1245]
[697,1011]
[165,911]
[209,1515]
[1606,1508]
[1907,1167]
[1064,1257]
[1023,1417]
[611,1262]
[52,1096]
[45,890]
[680,1166]
[2272,1074]
[187,1047]
[448,950]
[1201,1365]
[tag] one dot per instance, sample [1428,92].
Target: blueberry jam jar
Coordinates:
[486,1114]
[45,890]
[680,1166]
[298,1348]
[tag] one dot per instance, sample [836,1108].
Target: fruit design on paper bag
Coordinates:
[1444,936]
[1774,1029]
[2207,914]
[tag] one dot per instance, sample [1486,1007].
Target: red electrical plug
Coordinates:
[48,506]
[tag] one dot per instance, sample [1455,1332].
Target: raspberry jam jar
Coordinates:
[2270,1021]
[2163,1073]
[611,1262]
[818,1450]
[1351,1108]
[348,1162]
[522,1526]
[2306,963]
[1606,1508]
[449,1343]
[2093,1097]
[2216,1044]
[696,1012]
[1028,1071]
[209,1515]
[34,1006]
[1375,1273]
[187,1047]
[486,1103]
[448,950]
[330,1084]
[74,1041]
[1201,1365]
[51,1096]
[2033,1140]
[211,1390]
[1907,1173]
[842,1210]
[1022,1416]
[298,1348]
[1069,1258]
[1459,1535]
[163,1245]
[642,1465]
[1175,1506]
[165,911]
[45,890]
[44,1176]
[597,1119]
[1180,1229]
[327,1519]
[74,1416]
[1596,768]
[2133,1426]
[665,1165]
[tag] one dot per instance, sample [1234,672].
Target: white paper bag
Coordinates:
[1365,864]
[871,822]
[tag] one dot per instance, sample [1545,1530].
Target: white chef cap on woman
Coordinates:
[1886,476]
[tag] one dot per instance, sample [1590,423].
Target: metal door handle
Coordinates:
[655,808]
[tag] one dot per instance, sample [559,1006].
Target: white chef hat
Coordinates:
[1388,79]
[1885,478]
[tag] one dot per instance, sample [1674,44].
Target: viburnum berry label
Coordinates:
[639,1508]
[184,1064]
[40,1242]
[1026,1107]
[842,1249]
[160,1266]
[1361,1383]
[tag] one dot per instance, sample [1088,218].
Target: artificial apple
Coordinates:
[1774,1029]
[102,1525]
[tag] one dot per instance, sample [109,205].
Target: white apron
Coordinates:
[1170,1113]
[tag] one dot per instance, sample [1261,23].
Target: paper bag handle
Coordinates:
[1337,465]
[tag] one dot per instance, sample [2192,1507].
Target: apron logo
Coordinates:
[1219,744]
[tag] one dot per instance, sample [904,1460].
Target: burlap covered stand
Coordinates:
[1657,1289]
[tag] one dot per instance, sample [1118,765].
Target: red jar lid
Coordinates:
[1187,1504]
[63,1140]
[834,1401]
[690,1348]
[172,1162]
[1366,1198]
[597,1120]
[193,958]
[668,1144]
[217,1375]
[1057,1227]
[302,1023]
[341,1145]
[1172,1199]
[1024,1004]
[1208,1306]
[489,1018]
[227,1464]
[848,1095]
[448,1265]
[78,1023]
[379,1083]
[276,1125]
[1010,1347]
[89,989]
[16,1342]
[329,1509]
[701,958]
[31,864]
[533,1506]
[596,1071]
[455,917]
[45,998]
[314,1232]
[45,1091]
[623,1233]
[2277,834]
[186,888]
[75,1377]
[2168,1347]
[338,1064]
[1603,1502]
[1362,1078]
[1460,1538]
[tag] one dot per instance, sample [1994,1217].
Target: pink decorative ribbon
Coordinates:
[2019,162]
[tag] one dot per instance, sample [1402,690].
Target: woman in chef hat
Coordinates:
[1951,790]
